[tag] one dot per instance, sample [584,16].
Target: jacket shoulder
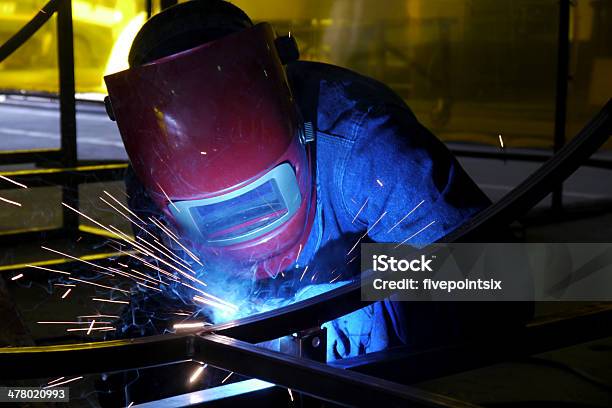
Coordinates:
[343,96]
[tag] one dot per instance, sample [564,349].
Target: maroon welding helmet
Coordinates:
[215,137]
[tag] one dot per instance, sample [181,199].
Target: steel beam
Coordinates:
[58,176]
[312,378]
[563,54]
[65,57]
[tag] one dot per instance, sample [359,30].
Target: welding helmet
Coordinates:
[215,137]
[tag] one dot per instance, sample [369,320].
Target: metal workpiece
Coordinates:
[293,318]
[313,378]
[306,376]
[97,357]
[311,344]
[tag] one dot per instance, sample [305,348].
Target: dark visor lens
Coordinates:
[240,215]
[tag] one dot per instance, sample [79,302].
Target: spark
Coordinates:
[148,287]
[379,182]
[167,253]
[194,325]
[366,233]
[67,285]
[91,326]
[134,277]
[6,200]
[105,328]
[198,371]
[166,273]
[13,182]
[66,293]
[406,216]
[48,269]
[175,239]
[88,217]
[131,403]
[298,255]
[162,190]
[144,262]
[118,211]
[125,216]
[203,153]
[416,233]
[219,300]
[58,322]
[156,281]
[304,273]
[163,228]
[213,304]
[76,259]
[361,209]
[124,207]
[56,380]
[111,301]
[501,141]
[101,286]
[335,279]
[227,378]
[64,382]
[290,394]
[14,278]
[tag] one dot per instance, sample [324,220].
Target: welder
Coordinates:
[274,170]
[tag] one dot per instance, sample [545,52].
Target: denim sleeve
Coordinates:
[402,183]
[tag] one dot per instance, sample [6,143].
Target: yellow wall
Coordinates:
[470,69]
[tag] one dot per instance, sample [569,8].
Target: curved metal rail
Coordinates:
[29,29]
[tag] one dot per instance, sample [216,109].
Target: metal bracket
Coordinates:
[310,344]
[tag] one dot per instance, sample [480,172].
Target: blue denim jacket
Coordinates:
[380,176]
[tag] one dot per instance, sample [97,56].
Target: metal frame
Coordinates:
[71,175]
[561,91]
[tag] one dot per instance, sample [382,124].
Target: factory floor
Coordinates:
[578,381]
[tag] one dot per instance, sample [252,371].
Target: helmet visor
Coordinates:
[243,214]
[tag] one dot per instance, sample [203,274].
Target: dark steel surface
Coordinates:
[100,357]
[65,57]
[557,332]
[30,156]
[313,378]
[562,79]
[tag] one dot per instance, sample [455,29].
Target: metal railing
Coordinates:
[64,163]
